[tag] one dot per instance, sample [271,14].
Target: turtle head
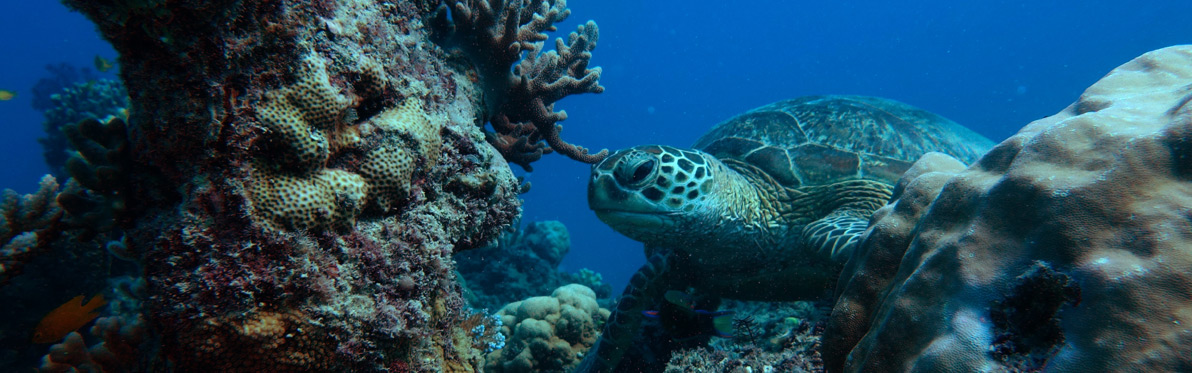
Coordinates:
[647,192]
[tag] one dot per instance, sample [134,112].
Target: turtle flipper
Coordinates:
[623,325]
[834,236]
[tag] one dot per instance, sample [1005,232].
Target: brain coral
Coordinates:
[548,333]
[1068,247]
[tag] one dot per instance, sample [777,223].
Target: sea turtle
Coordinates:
[766,206]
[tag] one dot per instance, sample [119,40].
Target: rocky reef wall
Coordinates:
[294,177]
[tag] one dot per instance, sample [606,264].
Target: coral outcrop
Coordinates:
[294,177]
[520,91]
[548,333]
[93,99]
[1065,248]
[522,264]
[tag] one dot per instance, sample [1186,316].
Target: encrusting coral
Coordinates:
[548,333]
[303,173]
[1064,248]
[494,34]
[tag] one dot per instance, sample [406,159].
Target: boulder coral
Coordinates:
[548,334]
[1065,248]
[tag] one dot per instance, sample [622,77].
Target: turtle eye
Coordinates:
[642,171]
[635,173]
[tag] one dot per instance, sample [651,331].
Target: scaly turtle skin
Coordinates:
[766,206]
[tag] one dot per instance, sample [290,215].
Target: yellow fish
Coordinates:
[67,318]
[102,64]
[6,95]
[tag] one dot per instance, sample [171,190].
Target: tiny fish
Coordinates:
[102,64]
[6,95]
[683,321]
[67,318]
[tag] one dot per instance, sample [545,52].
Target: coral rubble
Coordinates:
[294,177]
[1065,248]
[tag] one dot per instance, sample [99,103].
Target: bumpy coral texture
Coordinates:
[1065,248]
[303,172]
[548,333]
[864,278]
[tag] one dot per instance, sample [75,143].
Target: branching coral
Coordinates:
[493,34]
[27,225]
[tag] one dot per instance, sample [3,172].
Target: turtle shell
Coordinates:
[818,140]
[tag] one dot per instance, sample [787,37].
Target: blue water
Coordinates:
[672,69]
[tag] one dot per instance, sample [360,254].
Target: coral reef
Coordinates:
[303,173]
[44,261]
[776,325]
[520,92]
[119,350]
[1064,248]
[548,333]
[27,225]
[767,336]
[521,264]
[100,166]
[62,76]
[93,99]
[747,360]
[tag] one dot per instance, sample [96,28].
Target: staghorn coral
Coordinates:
[305,169]
[27,226]
[1065,248]
[548,333]
[493,34]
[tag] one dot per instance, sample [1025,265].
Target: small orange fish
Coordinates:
[102,64]
[67,318]
[6,95]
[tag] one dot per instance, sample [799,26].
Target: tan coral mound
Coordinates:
[1068,247]
[307,125]
[548,333]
